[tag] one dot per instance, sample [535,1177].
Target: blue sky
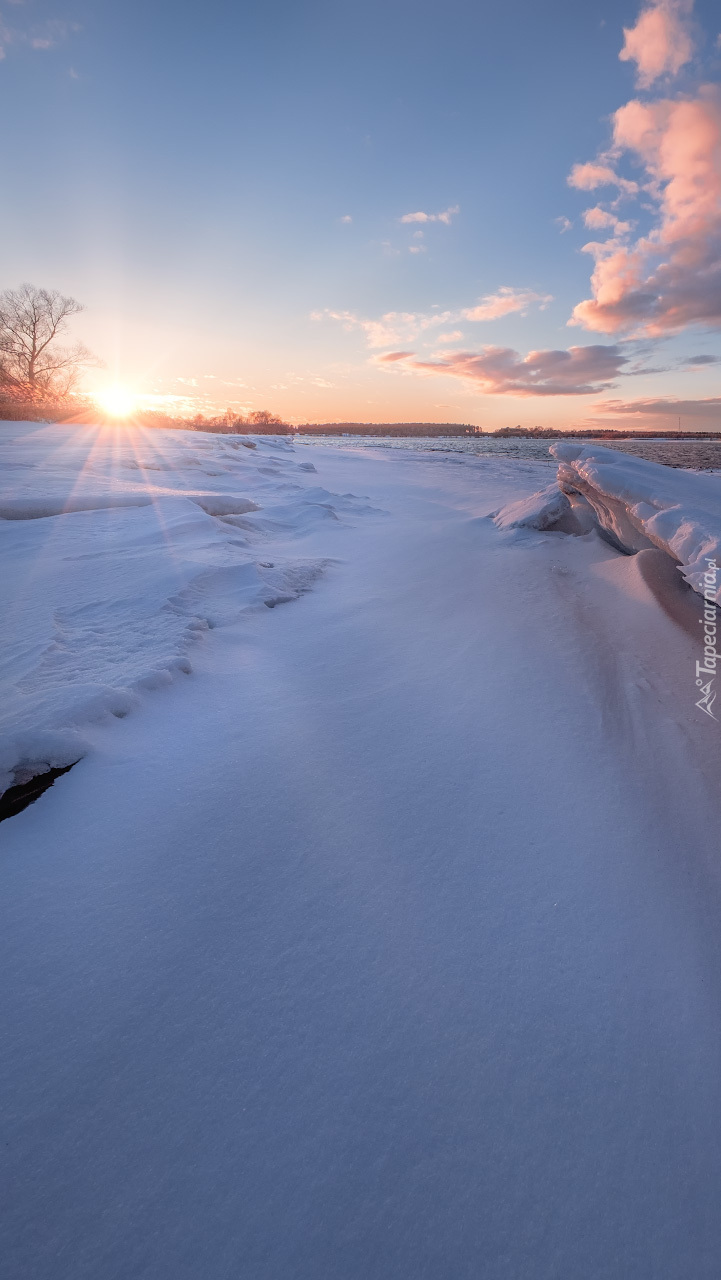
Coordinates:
[186,172]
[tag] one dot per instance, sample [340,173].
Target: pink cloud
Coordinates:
[391,356]
[502,371]
[505,302]
[671,277]
[587,177]
[598,218]
[660,43]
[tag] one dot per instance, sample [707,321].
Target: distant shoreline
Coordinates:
[429,430]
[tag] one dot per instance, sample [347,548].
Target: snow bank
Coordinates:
[119,548]
[642,504]
[540,511]
[636,505]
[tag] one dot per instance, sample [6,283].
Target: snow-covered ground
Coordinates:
[385,941]
[118,548]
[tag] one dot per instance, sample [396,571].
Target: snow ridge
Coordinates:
[644,504]
[635,505]
[120,549]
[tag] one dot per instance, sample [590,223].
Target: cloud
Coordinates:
[698,361]
[43,36]
[417,248]
[563,224]
[670,278]
[503,303]
[445,217]
[660,43]
[396,328]
[392,329]
[502,371]
[391,356]
[598,218]
[346,218]
[706,408]
[587,177]
[455,336]
[600,249]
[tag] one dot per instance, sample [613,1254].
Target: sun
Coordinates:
[117,401]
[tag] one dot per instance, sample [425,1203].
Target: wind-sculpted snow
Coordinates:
[636,505]
[120,547]
[541,510]
[642,504]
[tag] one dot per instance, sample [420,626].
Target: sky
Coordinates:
[461,212]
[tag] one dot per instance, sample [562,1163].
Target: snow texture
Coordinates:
[541,510]
[119,549]
[386,945]
[642,504]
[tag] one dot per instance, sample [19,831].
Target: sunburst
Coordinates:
[117,401]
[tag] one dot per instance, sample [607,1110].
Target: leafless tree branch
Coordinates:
[32,367]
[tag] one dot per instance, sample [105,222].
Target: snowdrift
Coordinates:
[119,548]
[644,504]
[636,504]
[541,510]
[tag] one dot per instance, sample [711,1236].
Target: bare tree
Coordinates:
[263,418]
[33,366]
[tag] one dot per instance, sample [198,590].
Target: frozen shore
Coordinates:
[375,935]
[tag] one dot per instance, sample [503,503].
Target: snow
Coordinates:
[119,548]
[386,942]
[642,504]
[541,510]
